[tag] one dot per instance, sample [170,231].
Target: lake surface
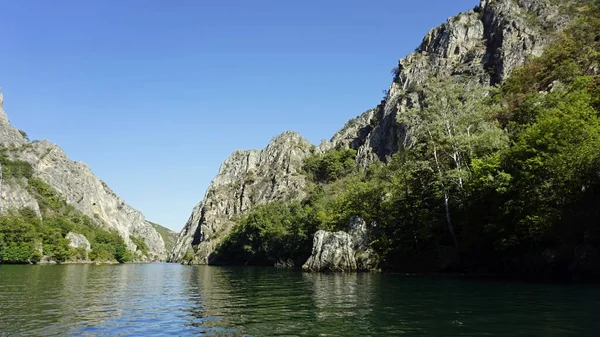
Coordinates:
[175,300]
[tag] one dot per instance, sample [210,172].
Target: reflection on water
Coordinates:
[342,298]
[175,300]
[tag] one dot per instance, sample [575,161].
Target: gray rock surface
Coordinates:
[78,241]
[77,184]
[331,252]
[481,46]
[246,179]
[341,251]
[9,135]
[15,196]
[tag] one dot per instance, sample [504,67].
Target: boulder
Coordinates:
[331,252]
[79,241]
[342,251]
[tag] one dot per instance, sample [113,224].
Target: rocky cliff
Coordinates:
[481,46]
[246,179]
[76,183]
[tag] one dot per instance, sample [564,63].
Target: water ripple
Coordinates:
[175,300]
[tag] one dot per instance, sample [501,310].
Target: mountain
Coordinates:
[246,179]
[39,176]
[168,236]
[481,46]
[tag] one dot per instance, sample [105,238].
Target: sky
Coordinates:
[153,94]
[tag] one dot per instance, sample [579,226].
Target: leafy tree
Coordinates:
[331,165]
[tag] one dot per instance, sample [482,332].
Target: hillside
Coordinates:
[47,198]
[480,158]
[169,237]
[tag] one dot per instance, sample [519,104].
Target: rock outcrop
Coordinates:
[79,241]
[246,179]
[481,46]
[77,184]
[9,135]
[341,251]
[331,252]
[15,196]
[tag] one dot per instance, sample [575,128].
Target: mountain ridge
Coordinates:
[481,46]
[75,181]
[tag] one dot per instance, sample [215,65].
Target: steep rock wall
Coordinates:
[77,184]
[246,179]
[481,46]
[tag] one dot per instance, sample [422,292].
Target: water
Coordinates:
[175,300]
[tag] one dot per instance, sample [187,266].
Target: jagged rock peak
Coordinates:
[481,46]
[9,135]
[246,179]
[352,134]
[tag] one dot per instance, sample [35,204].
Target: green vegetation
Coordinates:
[168,236]
[330,166]
[492,181]
[270,232]
[26,238]
[24,134]
[140,243]
[14,168]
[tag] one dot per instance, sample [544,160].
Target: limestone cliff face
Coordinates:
[9,135]
[246,179]
[77,184]
[481,46]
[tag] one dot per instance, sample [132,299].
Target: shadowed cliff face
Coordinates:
[246,179]
[77,184]
[481,47]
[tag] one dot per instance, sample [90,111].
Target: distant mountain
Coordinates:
[169,237]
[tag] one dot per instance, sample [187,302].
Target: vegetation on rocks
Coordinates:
[494,180]
[14,168]
[331,165]
[26,238]
[168,236]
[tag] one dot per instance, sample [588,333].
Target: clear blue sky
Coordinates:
[153,94]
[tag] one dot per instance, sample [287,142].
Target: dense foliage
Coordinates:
[25,238]
[502,179]
[331,165]
[273,232]
[14,168]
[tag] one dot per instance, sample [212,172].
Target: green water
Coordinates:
[175,300]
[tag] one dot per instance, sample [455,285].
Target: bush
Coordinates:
[15,168]
[140,243]
[330,166]
[270,233]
